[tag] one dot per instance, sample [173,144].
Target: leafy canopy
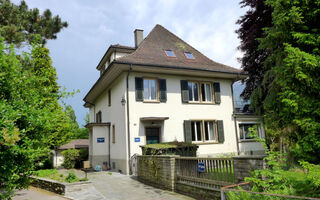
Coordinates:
[31,118]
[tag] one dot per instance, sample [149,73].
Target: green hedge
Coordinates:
[170,148]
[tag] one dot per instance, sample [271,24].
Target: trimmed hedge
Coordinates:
[170,148]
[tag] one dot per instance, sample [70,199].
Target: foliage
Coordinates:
[287,97]
[70,158]
[20,24]
[71,178]
[170,148]
[31,118]
[251,28]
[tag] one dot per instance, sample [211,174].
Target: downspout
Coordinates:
[128,119]
[235,119]
[109,163]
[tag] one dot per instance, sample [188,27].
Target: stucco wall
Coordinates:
[248,147]
[172,129]
[115,115]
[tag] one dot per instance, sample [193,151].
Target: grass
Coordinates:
[55,175]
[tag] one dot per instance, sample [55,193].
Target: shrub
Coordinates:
[170,148]
[70,158]
[72,177]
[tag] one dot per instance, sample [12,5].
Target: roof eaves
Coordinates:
[178,67]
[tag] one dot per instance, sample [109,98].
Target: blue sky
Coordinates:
[207,25]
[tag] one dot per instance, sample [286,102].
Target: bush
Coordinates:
[170,148]
[72,177]
[70,158]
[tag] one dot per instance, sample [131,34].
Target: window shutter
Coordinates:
[217,94]
[163,90]
[184,91]
[220,131]
[187,131]
[139,89]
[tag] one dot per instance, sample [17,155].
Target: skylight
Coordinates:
[170,53]
[189,55]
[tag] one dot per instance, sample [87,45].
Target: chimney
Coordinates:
[138,37]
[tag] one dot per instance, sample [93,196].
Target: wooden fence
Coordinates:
[218,172]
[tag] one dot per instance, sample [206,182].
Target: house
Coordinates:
[73,144]
[163,90]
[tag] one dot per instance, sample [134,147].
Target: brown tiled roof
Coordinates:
[151,51]
[76,144]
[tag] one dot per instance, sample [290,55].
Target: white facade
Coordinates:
[170,130]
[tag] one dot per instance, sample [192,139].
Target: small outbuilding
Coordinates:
[73,144]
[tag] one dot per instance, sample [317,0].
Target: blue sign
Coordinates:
[201,167]
[100,140]
[137,139]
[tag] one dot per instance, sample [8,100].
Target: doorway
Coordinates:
[153,135]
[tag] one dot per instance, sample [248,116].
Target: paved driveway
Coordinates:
[116,186]
[36,194]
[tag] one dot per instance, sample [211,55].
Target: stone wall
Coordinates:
[244,164]
[158,171]
[48,184]
[58,187]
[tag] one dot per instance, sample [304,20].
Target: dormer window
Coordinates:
[169,53]
[189,55]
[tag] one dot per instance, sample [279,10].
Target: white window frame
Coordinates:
[149,90]
[192,90]
[252,124]
[202,129]
[206,95]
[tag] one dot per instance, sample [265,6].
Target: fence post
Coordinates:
[242,165]
[173,173]
[222,195]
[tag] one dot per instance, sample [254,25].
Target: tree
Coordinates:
[20,24]
[292,104]
[31,117]
[251,29]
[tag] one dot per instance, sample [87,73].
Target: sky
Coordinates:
[207,25]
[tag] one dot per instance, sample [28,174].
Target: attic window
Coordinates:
[189,55]
[169,53]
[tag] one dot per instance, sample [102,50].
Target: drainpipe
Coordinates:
[109,163]
[235,119]
[128,119]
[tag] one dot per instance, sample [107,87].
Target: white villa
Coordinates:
[164,90]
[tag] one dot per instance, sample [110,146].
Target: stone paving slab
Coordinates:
[116,186]
[36,194]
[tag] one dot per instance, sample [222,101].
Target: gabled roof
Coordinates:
[76,144]
[151,52]
[114,48]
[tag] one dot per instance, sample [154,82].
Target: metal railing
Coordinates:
[209,173]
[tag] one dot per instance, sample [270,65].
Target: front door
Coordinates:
[153,135]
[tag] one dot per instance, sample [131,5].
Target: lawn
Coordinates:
[68,176]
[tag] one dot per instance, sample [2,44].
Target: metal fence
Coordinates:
[209,173]
[238,192]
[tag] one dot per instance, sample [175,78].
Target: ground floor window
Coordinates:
[204,131]
[244,130]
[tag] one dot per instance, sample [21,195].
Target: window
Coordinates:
[150,89]
[189,55]
[169,53]
[113,134]
[206,93]
[203,131]
[244,130]
[193,91]
[98,117]
[109,98]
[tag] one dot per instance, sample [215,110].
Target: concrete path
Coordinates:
[115,186]
[36,194]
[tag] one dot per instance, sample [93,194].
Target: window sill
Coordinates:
[203,103]
[150,101]
[203,143]
[248,140]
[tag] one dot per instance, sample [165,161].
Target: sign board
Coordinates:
[201,167]
[137,139]
[100,140]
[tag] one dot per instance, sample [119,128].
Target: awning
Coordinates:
[97,124]
[143,119]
